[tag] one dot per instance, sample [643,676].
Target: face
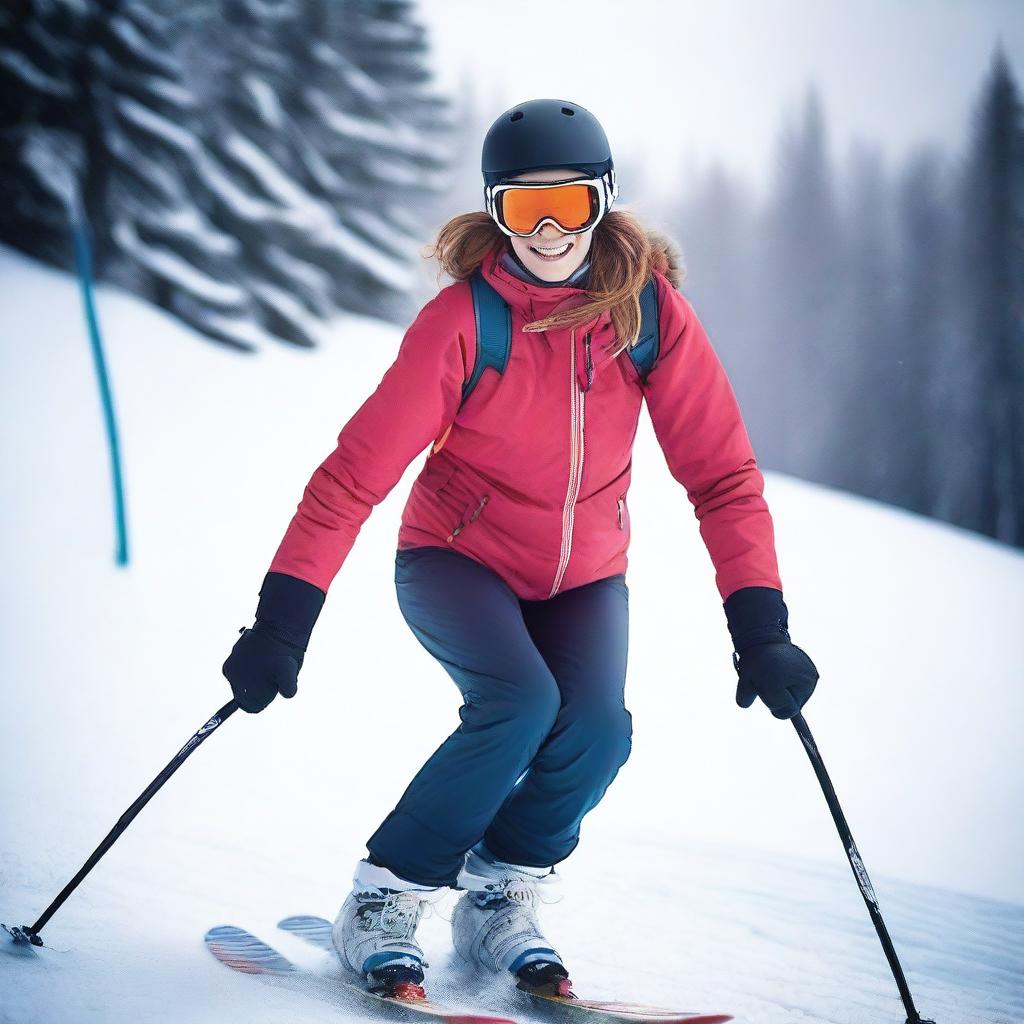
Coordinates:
[567,252]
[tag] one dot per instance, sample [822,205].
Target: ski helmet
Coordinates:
[546,133]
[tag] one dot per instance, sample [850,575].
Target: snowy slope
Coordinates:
[714,847]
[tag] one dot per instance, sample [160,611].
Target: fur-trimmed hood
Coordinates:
[666,257]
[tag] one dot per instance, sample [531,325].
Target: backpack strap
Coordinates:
[493,338]
[494,335]
[493,330]
[645,352]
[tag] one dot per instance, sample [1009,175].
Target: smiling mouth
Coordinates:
[553,252]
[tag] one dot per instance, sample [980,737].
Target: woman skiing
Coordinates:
[511,559]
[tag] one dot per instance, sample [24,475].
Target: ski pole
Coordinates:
[26,933]
[859,871]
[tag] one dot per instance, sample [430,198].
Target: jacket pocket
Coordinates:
[469,515]
[437,474]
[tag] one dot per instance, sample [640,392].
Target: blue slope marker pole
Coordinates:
[83,258]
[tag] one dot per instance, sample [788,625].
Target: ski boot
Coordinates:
[374,932]
[495,924]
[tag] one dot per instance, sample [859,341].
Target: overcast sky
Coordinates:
[699,81]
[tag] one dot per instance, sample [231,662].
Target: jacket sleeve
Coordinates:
[697,421]
[416,400]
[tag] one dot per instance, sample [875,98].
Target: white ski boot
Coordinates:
[494,923]
[374,932]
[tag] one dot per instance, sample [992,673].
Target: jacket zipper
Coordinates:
[462,522]
[577,402]
[621,501]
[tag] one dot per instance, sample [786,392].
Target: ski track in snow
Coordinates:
[665,901]
[734,932]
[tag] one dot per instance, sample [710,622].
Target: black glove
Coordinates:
[266,659]
[768,663]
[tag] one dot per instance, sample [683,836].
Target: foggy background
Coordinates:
[846,183]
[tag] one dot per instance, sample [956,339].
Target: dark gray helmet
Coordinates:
[545,133]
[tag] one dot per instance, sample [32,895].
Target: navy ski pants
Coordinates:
[544,729]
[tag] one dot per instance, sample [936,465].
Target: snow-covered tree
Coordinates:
[236,164]
[100,138]
[41,46]
[319,169]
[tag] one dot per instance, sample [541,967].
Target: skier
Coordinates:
[511,559]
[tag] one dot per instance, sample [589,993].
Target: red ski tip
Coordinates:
[408,991]
[472,1018]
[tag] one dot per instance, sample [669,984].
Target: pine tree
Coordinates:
[237,165]
[715,220]
[168,249]
[320,167]
[992,274]
[924,336]
[799,283]
[862,450]
[98,131]
[41,152]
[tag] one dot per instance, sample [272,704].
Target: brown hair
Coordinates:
[622,254]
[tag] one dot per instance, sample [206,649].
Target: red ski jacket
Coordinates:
[531,475]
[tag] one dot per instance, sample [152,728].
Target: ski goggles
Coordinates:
[523,207]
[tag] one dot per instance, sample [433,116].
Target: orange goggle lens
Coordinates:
[572,207]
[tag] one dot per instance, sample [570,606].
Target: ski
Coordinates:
[317,932]
[242,951]
[627,1013]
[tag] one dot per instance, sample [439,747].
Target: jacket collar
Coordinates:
[535,301]
[514,265]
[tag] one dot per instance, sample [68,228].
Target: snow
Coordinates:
[169,90]
[171,267]
[53,157]
[710,877]
[283,302]
[159,126]
[185,222]
[312,279]
[383,232]
[137,43]
[392,134]
[266,100]
[323,172]
[33,76]
[355,78]
[394,172]
[316,220]
[243,329]
[162,180]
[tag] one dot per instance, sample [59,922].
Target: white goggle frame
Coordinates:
[606,187]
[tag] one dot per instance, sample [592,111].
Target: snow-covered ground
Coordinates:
[713,851]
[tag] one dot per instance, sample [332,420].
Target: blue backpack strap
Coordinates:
[493,330]
[645,352]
